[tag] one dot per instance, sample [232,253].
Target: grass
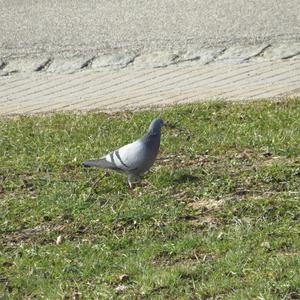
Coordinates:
[218,217]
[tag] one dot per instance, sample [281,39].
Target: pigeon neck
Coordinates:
[148,137]
[153,132]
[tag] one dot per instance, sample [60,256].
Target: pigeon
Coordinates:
[133,159]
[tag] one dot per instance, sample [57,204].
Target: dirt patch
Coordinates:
[206,204]
[291,254]
[1,191]
[169,260]
[38,234]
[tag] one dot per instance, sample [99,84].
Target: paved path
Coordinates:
[121,54]
[122,82]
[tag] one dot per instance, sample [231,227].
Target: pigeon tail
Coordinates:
[100,163]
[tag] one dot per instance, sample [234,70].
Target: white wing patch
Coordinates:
[108,158]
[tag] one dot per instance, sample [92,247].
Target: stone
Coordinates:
[200,56]
[3,65]
[23,65]
[121,288]
[282,51]
[155,60]
[124,277]
[266,245]
[67,65]
[115,60]
[59,240]
[239,54]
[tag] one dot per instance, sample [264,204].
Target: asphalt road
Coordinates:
[75,27]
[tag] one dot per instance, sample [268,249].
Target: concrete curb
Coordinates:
[119,60]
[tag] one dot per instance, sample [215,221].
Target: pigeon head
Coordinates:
[155,126]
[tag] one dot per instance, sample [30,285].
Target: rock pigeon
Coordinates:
[133,159]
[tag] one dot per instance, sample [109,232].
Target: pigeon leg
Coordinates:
[133,179]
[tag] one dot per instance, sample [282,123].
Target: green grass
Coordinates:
[217,218]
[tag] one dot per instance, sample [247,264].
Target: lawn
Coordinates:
[218,217]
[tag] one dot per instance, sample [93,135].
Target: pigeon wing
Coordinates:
[129,157]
